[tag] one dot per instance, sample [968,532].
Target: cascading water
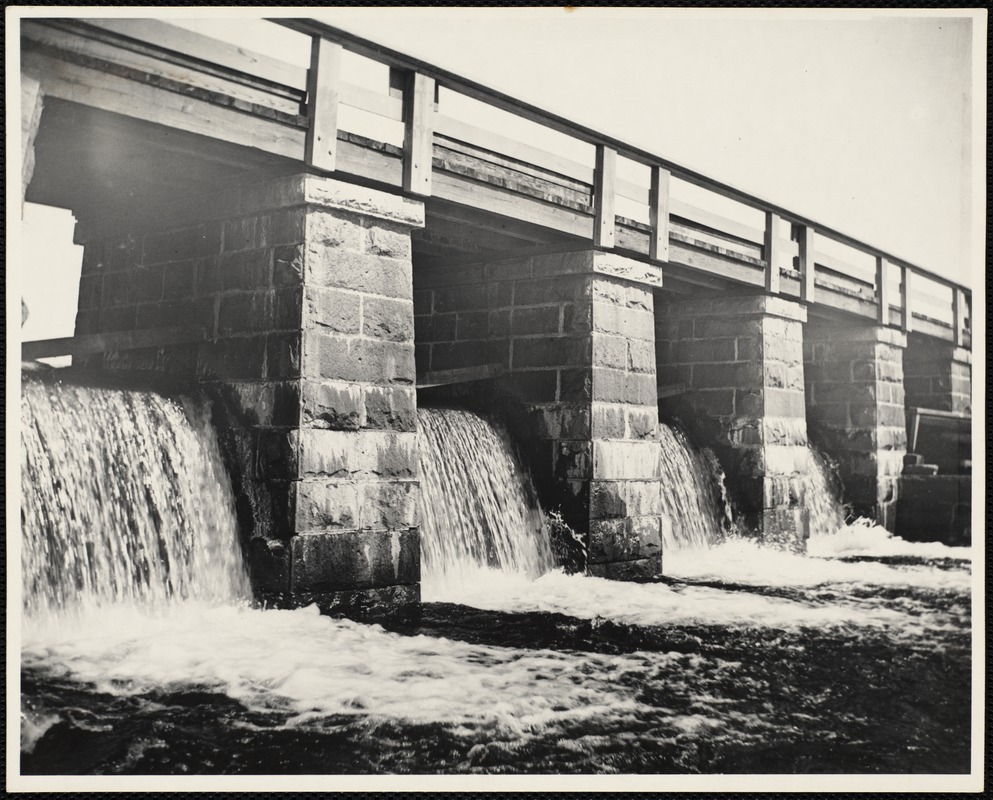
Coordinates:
[124,499]
[695,511]
[477,508]
[821,494]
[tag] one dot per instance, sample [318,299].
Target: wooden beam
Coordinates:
[205,48]
[769,253]
[658,213]
[459,375]
[323,80]
[805,240]
[130,98]
[906,313]
[884,298]
[418,134]
[604,177]
[115,340]
[958,317]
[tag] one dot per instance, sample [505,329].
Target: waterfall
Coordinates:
[695,509]
[821,494]
[477,508]
[123,499]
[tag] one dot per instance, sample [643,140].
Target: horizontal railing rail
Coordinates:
[780,242]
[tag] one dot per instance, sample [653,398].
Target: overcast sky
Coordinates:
[862,122]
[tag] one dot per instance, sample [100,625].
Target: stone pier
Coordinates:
[302,288]
[730,368]
[937,375]
[855,401]
[573,334]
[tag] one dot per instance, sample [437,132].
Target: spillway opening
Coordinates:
[479,510]
[125,499]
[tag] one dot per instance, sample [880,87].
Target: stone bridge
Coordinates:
[318,246]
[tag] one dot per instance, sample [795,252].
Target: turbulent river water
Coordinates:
[741,659]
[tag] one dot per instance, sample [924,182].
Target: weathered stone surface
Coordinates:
[283,355]
[559,421]
[334,309]
[624,386]
[391,408]
[328,562]
[629,460]
[339,406]
[638,570]
[358,359]
[390,603]
[856,408]
[608,421]
[625,498]
[233,358]
[358,454]
[558,351]
[388,319]
[362,272]
[628,539]
[327,506]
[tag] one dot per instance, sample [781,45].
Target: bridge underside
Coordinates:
[108,168]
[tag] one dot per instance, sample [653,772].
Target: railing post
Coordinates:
[769,251]
[883,292]
[658,212]
[805,243]
[323,79]
[604,179]
[958,316]
[906,314]
[418,135]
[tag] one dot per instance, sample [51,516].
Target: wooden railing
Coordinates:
[797,256]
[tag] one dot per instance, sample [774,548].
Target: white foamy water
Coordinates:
[865,538]
[310,667]
[660,604]
[745,561]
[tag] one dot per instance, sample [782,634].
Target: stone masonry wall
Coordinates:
[574,333]
[855,401]
[303,287]
[737,365]
[937,375]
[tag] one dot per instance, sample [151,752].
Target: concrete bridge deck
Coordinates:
[322,249]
